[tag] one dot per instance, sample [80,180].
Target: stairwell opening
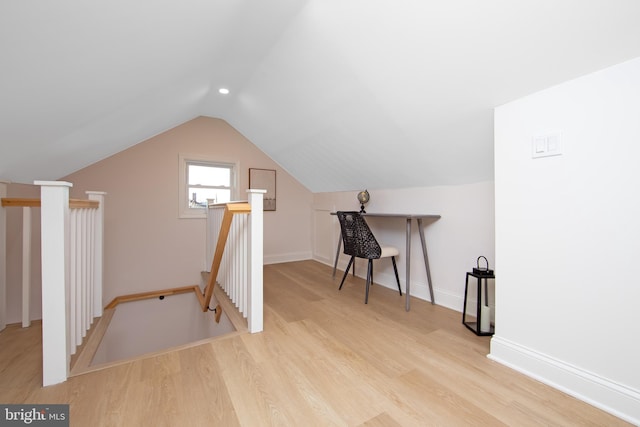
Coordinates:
[150,326]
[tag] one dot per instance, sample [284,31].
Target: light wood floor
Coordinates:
[324,359]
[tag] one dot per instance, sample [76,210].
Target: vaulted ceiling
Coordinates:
[343,94]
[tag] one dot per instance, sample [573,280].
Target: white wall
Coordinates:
[464,232]
[568,239]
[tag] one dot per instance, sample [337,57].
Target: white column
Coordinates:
[3,258]
[256,260]
[98,241]
[54,196]
[26,267]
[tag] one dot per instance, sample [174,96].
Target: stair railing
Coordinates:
[235,230]
[72,241]
[72,262]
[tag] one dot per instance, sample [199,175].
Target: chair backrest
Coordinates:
[357,237]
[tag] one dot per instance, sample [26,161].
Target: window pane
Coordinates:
[202,179]
[209,175]
[198,196]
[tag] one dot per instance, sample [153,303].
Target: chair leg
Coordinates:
[346,272]
[395,270]
[369,279]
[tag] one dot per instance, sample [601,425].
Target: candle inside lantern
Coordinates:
[485,319]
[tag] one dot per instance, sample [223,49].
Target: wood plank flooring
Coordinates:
[324,359]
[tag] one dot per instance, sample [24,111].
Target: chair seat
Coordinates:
[388,251]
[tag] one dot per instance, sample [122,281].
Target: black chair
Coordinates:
[359,241]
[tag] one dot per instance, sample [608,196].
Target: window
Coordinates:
[201,180]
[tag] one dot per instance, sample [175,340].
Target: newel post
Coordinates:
[256,260]
[54,196]
[3,258]
[98,274]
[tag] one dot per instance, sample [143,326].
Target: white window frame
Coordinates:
[184,211]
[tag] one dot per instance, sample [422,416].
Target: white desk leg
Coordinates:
[408,257]
[426,259]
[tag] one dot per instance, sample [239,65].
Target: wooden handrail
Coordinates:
[83,204]
[20,202]
[153,294]
[8,202]
[162,293]
[230,209]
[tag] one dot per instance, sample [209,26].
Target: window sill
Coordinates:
[193,214]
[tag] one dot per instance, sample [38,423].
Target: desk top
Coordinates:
[398,215]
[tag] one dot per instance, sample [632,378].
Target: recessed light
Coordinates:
[223,91]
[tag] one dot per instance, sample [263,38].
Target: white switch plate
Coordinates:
[546,145]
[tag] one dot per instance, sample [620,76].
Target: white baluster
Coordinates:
[26,267]
[229,261]
[233,255]
[208,252]
[73,282]
[91,229]
[76,254]
[98,250]
[83,272]
[77,257]
[229,276]
[243,265]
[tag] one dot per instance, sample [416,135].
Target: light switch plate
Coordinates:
[546,145]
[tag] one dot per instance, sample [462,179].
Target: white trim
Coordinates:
[612,397]
[183,210]
[287,257]
[53,184]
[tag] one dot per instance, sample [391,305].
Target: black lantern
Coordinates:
[480,321]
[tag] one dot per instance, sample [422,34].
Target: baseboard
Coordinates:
[418,290]
[289,257]
[616,399]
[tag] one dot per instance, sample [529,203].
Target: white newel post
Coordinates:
[54,196]
[98,242]
[256,227]
[3,258]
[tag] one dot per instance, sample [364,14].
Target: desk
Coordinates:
[408,218]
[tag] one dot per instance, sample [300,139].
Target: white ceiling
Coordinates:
[344,94]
